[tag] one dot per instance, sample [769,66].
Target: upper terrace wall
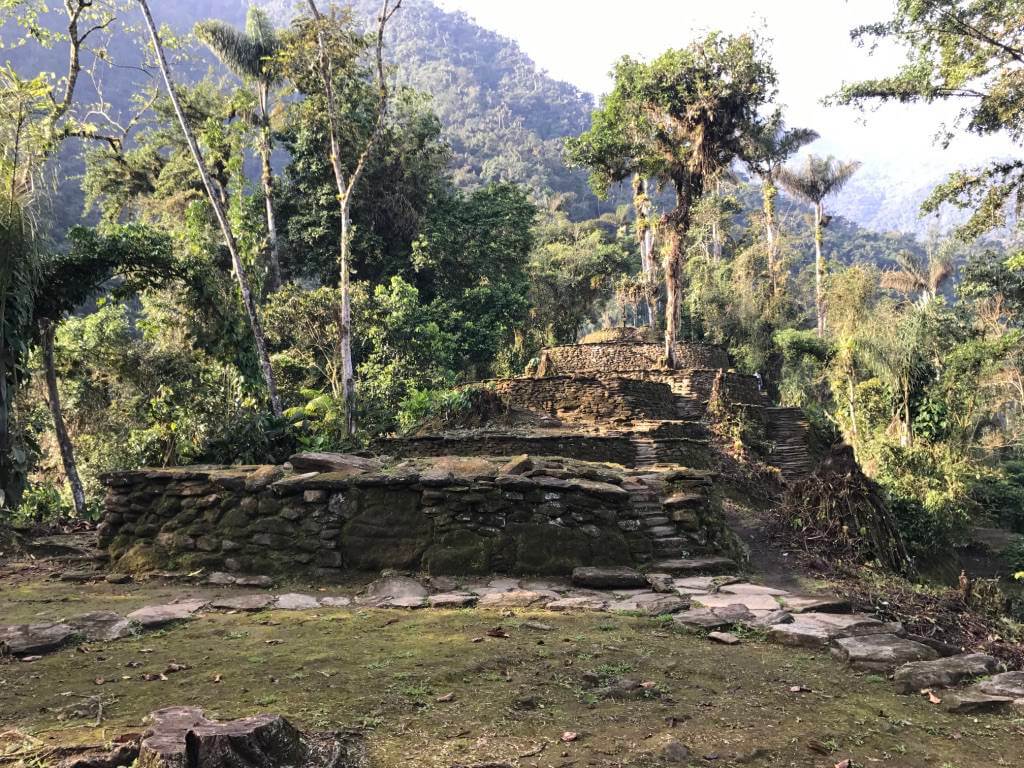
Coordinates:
[625,356]
[590,398]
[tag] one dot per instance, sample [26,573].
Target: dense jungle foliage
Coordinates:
[473,239]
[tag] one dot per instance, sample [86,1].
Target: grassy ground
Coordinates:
[432,689]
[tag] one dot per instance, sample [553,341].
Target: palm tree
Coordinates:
[251,56]
[768,150]
[818,178]
[921,273]
[241,275]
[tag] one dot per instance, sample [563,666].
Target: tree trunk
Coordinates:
[819,267]
[267,177]
[768,194]
[67,452]
[243,281]
[345,329]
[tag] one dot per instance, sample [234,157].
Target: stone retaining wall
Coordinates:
[611,448]
[625,356]
[590,398]
[266,520]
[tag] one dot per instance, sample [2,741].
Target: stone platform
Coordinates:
[323,514]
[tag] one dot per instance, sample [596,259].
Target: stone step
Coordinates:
[656,522]
[707,566]
[663,532]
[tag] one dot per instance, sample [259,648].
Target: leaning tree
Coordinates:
[252,56]
[812,182]
[679,119]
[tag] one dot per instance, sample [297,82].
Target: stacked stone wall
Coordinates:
[265,520]
[590,398]
[620,356]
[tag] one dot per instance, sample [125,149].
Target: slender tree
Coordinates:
[812,182]
[768,150]
[252,56]
[346,181]
[252,311]
[643,207]
[681,119]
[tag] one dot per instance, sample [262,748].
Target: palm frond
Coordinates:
[232,46]
[902,281]
[817,178]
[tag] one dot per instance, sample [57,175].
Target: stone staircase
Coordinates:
[663,518]
[788,432]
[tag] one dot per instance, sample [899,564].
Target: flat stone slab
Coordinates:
[752,602]
[390,589]
[296,601]
[943,673]
[102,625]
[254,581]
[579,603]
[336,601]
[723,638]
[517,598]
[742,588]
[973,701]
[452,600]
[801,634]
[609,578]
[880,653]
[243,603]
[1007,684]
[815,603]
[157,615]
[650,604]
[33,639]
[719,618]
[409,603]
[334,462]
[701,565]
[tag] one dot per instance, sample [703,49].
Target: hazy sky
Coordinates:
[578,40]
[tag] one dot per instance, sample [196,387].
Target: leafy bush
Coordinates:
[423,405]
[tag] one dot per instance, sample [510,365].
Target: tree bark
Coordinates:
[267,178]
[67,451]
[768,194]
[240,274]
[819,267]
[677,224]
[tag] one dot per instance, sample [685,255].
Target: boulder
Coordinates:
[157,615]
[101,625]
[337,601]
[661,582]
[608,578]
[880,653]
[334,462]
[33,639]
[943,673]
[179,737]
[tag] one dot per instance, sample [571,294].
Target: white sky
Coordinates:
[578,40]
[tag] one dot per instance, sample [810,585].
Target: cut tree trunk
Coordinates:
[241,275]
[67,451]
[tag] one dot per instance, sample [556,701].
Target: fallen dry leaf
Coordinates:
[445,698]
[799,689]
[844,764]
[217,678]
[570,736]
[31,658]
[496,632]
[175,667]
[274,642]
